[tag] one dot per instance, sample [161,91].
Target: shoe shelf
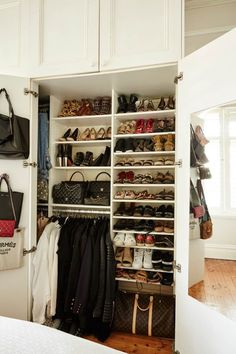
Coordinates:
[143,185]
[146,269]
[148,201]
[85,142]
[142,218]
[142,135]
[168,113]
[107,168]
[80,121]
[150,248]
[144,153]
[140,282]
[146,232]
[147,167]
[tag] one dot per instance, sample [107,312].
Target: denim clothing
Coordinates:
[44,163]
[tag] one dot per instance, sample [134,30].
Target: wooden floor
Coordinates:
[130,343]
[218,290]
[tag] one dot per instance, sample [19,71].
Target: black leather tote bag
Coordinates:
[69,192]
[5,202]
[14,134]
[98,192]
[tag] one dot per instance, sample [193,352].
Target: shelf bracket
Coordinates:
[178,77]
[25,251]
[29,164]
[178,267]
[27,91]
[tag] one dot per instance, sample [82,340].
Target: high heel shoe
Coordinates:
[131,106]
[108,133]
[74,135]
[161,104]
[101,134]
[93,134]
[170,103]
[66,135]
[86,134]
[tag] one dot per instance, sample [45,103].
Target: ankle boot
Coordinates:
[88,159]
[131,106]
[106,156]
[97,105]
[106,105]
[79,158]
[123,105]
[162,104]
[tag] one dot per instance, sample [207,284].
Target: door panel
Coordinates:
[14,34]
[14,294]
[209,80]
[64,36]
[139,33]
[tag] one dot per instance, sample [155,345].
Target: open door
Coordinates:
[15,288]
[209,80]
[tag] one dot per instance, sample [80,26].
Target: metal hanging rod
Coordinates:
[81,211]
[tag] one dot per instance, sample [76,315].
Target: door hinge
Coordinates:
[27,164]
[176,352]
[27,91]
[179,163]
[178,77]
[178,267]
[25,252]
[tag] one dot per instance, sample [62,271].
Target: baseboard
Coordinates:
[220,251]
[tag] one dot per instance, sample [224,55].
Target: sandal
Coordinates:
[122,128]
[148,163]
[148,179]
[169,195]
[140,125]
[149,126]
[141,276]
[161,195]
[129,162]
[120,162]
[130,127]
[150,106]
[121,177]
[169,144]
[158,145]
[168,178]
[169,161]
[139,145]
[159,125]
[154,278]
[140,106]
[120,195]
[159,178]
[170,124]
[142,195]
[129,195]
[148,145]
[138,179]
[159,162]
[129,177]
[139,163]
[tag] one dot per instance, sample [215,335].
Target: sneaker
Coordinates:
[149,240]
[129,240]
[140,239]
[120,145]
[119,239]
[138,258]
[147,259]
[167,279]
[156,259]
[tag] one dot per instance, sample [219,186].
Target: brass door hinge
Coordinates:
[178,267]
[31,164]
[178,77]
[25,251]
[27,91]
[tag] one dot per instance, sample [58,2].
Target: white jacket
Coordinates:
[45,264]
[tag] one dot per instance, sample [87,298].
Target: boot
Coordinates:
[106,156]
[79,158]
[123,105]
[98,160]
[106,105]
[88,159]
[60,152]
[67,157]
[131,106]
[97,105]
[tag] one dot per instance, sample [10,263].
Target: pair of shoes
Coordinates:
[167,227]
[124,106]
[145,240]
[164,142]
[123,239]
[142,258]
[144,105]
[144,126]
[161,161]
[166,103]
[125,177]
[91,134]
[164,125]
[64,155]
[101,105]
[104,159]
[70,108]
[164,211]
[69,136]
[162,260]
[165,195]
[143,145]
[166,178]
[124,145]
[127,127]
[124,257]
[167,279]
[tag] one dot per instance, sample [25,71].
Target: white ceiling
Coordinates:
[193,4]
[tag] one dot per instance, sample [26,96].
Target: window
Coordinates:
[220,190]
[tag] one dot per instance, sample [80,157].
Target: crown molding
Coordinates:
[195,4]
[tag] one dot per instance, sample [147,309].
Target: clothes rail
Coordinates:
[81,211]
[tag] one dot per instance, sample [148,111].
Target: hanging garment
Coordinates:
[45,273]
[44,163]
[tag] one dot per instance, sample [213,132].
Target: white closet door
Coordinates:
[139,33]
[16,284]
[64,37]
[14,37]
[209,79]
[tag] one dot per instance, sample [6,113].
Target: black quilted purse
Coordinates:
[69,192]
[98,192]
[152,315]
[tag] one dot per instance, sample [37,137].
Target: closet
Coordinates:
[197,328]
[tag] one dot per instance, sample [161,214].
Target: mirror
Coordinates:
[212,261]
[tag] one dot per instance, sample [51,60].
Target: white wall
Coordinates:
[206,20]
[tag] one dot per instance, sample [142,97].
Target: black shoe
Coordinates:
[67,155]
[129,145]
[156,259]
[167,261]
[106,156]
[79,158]
[120,145]
[98,160]
[74,135]
[123,105]
[66,135]
[167,279]
[170,103]
[162,104]
[120,225]
[131,106]
[88,159]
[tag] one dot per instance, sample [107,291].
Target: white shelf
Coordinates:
[148,201]
[143,185]
[168,113]
[84,142]
[145,232]
[88,121]
[81,206]
[152,248]
[144,153]
[146,269]
[146,167]
[142,135]
[136,281]
[83,168]
[142,218]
